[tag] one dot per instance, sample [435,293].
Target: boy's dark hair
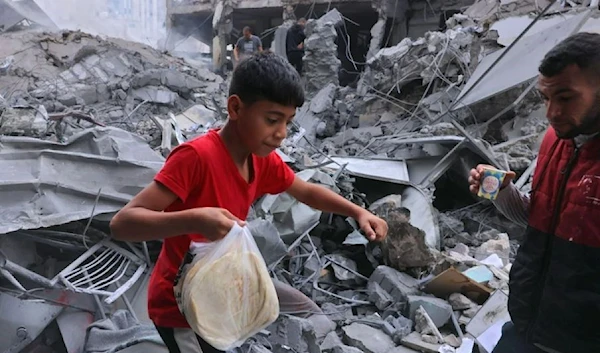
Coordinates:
[267,76]
[581,49]
[247,28]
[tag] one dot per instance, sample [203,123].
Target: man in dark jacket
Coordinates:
[554,299]
[294,44]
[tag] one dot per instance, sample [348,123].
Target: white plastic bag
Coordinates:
[224,290]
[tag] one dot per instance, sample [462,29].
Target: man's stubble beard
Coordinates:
[590,123]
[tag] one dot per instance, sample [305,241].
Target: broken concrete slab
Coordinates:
[97,159]
[323,326]
[155,94]
[460,302]
[425,325]
[402,327]
[367,338]
[438,309]
[378,295]
[401,349]
[296,333]
[323,100]
[500,247]
[399,285]
[331,341]
[519,58]
[414,341]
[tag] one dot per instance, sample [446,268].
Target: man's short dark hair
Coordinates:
[247,28]
[267,76]
[581,49]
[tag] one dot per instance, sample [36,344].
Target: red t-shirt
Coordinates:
[202,173]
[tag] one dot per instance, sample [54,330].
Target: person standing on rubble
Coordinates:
[554,299]
[247,45]
[209,183]
[294,44]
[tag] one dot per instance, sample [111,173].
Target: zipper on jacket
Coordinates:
[565,173]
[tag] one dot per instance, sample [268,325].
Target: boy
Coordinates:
[209,183]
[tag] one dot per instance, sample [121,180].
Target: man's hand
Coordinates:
[214,223]
[374,227]
[475,178]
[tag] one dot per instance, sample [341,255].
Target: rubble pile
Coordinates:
[444,55]
[84,118]
[76,77]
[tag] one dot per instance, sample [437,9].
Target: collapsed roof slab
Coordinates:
[520,63]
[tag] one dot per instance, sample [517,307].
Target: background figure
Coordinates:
[246,46]
[294,44]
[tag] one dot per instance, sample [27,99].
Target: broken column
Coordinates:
[378,29]
[321,64]
[222,26]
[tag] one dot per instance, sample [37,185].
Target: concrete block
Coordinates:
[379,296]
[438,309]
[399,285]
[367,338]
[296,333]
[330,342]
[414,341]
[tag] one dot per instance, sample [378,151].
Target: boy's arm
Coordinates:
[142,218]
[326,200]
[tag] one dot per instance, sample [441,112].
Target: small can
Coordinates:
[491,180]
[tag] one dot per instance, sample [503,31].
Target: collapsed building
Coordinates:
[86,122]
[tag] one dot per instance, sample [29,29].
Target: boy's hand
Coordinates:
[214,223]
[374,227]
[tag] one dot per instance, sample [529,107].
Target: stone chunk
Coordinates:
[330,342]
[399,285]
[379,296]
[414,341]
[367,338]
[403,327]
[346,349]
[439,310]
[405,245]
[294,332]
[460,302]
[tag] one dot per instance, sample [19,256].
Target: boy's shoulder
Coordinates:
[205,146]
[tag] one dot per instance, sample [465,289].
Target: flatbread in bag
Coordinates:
[226,293]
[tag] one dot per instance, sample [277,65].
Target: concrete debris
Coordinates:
[332,340]
[294,332]
[438,310]
[395,141]
[321,64]
[460,302]
[367,338]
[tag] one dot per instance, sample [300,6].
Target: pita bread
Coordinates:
[229,299]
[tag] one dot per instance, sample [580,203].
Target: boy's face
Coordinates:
[262,126]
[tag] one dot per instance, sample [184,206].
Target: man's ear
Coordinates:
[234,107]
